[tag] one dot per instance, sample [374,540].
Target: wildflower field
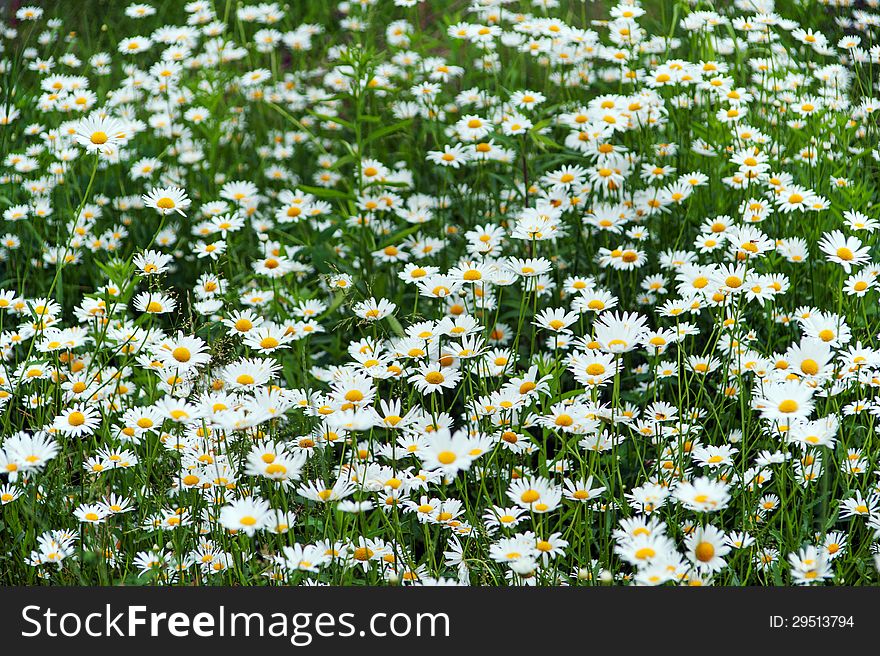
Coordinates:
[499,292]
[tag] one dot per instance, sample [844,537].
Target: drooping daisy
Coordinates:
[154,303]
[152,262]
[373,310]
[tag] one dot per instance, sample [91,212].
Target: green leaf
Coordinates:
[322,192]
[388,129]
[321,257]
[345,160]
[332,119]
[397,236]
[395,326]
[117,271]
[543,140]
[338,298]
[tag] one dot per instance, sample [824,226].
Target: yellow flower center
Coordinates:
[363,553]
[810,367]
[564,420]
[446,457]
[181,354]
[354,396]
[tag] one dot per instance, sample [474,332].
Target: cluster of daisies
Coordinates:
[422,293]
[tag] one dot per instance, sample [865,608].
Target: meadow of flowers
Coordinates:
[515,292]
